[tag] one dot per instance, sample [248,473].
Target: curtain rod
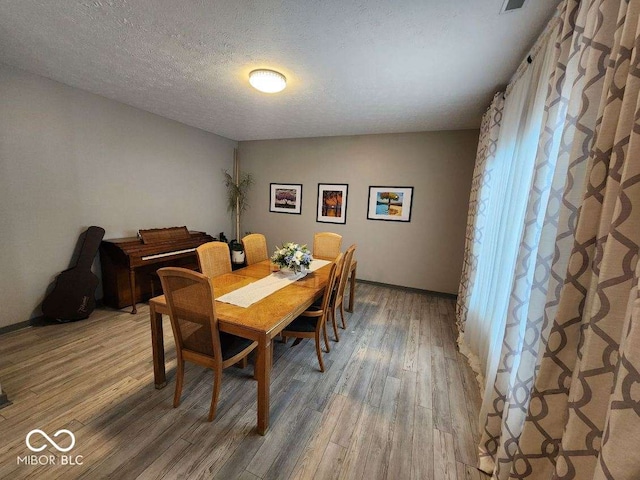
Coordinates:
[554,22]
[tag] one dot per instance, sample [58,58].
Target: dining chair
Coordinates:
[340,271]
[194,323]
[339,297]
[326,245]
[214,259]
[311,323]
[255,248]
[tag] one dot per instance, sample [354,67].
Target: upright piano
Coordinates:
[128,264]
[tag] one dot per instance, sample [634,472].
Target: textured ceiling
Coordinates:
[353,67]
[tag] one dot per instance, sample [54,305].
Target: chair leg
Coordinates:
[344,325]
[217,379]
[352,291]
[326,337]
[335,324]
[179,382]
[242,363]
[319,351]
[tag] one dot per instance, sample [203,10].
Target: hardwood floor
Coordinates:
[397,401]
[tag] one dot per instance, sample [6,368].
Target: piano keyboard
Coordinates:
[168,254]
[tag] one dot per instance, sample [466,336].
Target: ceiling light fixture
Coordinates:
[267,81]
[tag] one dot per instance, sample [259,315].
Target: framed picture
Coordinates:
[390,203]
[286,198]
[332,203]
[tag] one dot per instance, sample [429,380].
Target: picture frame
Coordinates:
[332,203]
[390,203]
[286,198]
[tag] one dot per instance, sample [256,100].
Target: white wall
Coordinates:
[70,159]
[425,253]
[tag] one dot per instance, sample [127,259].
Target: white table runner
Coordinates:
[256,291]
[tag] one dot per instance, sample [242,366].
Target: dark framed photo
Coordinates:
[390,203]
[286,198]
[332,203]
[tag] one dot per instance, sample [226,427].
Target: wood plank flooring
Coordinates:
[397,401]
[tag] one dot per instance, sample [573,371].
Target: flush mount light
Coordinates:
[267,81]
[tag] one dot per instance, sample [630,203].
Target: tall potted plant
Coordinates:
[238,186]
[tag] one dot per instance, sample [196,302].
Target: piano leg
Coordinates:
[132,286]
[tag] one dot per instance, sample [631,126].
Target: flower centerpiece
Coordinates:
[292,256]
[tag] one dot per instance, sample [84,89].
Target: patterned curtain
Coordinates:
[565,402]
[587,355]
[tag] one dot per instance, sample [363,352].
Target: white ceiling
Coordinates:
[353,67]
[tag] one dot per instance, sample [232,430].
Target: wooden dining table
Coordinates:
[261,321]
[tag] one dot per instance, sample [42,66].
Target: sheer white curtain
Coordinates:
[504,198]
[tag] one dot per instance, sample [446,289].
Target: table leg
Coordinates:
[264,383]
[132,287]
[352,290]
[157,346]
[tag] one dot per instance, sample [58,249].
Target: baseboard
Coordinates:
[408,289]
[16,326]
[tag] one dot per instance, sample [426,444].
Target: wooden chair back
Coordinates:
[326,245]
[346,270]
[192,312]
[339,297]
[331,285]
[214,259]
[339,261]
[255,248]
[340,271]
